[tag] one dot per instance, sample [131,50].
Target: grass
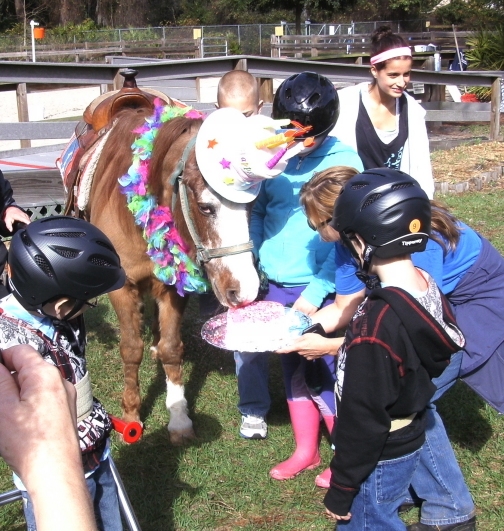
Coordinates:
[221,482]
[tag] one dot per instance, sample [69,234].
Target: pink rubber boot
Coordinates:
[323,480]
[305,419]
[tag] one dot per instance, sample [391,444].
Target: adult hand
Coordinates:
[13,214]
[313,346]
[38,439]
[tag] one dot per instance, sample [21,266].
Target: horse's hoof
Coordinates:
[181,438]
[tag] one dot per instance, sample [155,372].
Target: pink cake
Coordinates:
[260,323]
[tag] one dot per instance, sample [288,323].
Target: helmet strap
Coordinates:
[371,281]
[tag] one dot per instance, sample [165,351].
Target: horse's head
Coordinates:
[217,222]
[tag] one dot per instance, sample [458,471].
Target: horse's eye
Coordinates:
[206,209]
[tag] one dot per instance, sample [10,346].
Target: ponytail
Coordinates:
[445,230]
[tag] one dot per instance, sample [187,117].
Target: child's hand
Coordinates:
[302,305]
[338,517]
[13,214]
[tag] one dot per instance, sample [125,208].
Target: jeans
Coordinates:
[103,492]
[375,508]
[438,480]
[252,371]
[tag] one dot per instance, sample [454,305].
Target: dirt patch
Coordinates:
[464,159]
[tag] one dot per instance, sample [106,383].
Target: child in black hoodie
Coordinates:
[400,337]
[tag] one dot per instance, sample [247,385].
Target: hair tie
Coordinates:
[388,54]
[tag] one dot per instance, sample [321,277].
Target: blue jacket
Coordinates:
[290,252]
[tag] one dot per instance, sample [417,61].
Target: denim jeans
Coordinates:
[103,492]
[375,508]
[438,480]
[252,371]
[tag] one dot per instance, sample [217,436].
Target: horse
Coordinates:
[214,229]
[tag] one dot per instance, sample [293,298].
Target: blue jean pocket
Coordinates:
[393,477]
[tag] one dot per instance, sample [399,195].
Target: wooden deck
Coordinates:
[39,192]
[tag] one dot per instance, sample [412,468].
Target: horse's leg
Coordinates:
[128,303]
[170,351]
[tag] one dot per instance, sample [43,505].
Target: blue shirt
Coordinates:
[290,252]
[446,269]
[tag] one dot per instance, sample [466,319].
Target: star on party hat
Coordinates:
[235,154]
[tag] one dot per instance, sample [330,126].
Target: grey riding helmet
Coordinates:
[62,256]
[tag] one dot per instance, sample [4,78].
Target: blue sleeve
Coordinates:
[256,227]
[347,282]
[322,283]
[431,260]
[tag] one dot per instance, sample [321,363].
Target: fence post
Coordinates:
[265,89]
[495,109]
[314,42]
[22,108]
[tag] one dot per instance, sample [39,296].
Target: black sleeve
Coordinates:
[7,200]
[370,385]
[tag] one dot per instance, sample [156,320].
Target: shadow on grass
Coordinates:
[99,327]
[463,413]
[150,472]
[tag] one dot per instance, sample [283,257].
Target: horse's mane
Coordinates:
[116,157]
[168,134]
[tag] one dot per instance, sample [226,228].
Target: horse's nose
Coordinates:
[236,297]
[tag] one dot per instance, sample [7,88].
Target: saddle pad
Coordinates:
[65,161]
[87,170]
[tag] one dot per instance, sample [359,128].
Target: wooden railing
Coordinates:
[299,46]
[160,48]
[162,75]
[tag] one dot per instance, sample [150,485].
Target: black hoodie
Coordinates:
[393,347]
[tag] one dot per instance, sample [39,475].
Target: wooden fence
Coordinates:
[22,77]
[159,48]
[299,46]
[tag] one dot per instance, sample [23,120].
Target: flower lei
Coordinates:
[165,247]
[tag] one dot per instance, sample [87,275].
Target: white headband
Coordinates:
[388,54]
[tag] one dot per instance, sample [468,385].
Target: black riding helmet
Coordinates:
[309,99]
[388,209]
[59,257]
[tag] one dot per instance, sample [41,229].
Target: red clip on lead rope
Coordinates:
[131,431]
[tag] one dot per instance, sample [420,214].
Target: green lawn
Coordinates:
[221,481]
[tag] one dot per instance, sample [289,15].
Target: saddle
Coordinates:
[98,120]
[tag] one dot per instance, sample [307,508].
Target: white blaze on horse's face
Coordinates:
[233,277]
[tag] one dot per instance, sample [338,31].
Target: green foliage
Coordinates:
[486,49]
[471,14]
[483,94]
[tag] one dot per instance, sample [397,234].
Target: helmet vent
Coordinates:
[100,261]
[314,98]
[359,186]
[44,265]
[400,186]
[26,239]
[370,200]
[66,234]
[106,245]
[65,252]
[288,93]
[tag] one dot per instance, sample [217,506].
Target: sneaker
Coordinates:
[468,525]
[253,427]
